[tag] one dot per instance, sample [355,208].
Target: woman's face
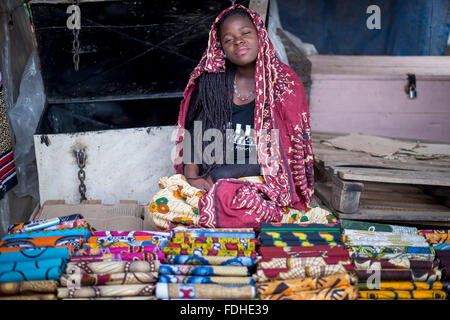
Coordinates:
[239,40]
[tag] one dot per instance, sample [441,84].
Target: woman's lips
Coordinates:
[241,51]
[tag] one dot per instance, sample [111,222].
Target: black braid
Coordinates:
[212,100]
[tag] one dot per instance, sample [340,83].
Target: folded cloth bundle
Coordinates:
[382,252]
[204,291]
[125,256]
[308,283]
[97,245]
[35,254]
[402,285]
[210,260]
[313,251]
[112,267]
[396,263]
[28,287]
[107,291]
[373,226]
[48,296]
[45,269]
[130,237]
[429,275]
[173,278]
[203,270]
[74,242]
[208,252]
[242,233]
[71,280]
[402,295]
[215,243]
[78,231]
[113,250]
[339,293]
[438,239]
[66,222]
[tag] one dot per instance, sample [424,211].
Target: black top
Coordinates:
[240,135]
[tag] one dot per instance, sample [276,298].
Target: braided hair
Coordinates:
[212,100]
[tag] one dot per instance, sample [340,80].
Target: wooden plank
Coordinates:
[404,206]
[393,187]
[398,197]
[381,65]
[393,176]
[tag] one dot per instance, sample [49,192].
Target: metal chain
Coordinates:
[76,42]
[81,157]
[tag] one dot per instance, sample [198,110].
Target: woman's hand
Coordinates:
[199,183]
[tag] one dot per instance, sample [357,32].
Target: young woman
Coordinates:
[240,83]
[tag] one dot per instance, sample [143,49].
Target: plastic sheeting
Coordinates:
[419,27]
[24,118]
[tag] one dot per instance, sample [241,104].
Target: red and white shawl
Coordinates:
[282,131]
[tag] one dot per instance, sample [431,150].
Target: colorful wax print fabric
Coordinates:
[415,253]
[439,239]
[285,239]
[125,256]
[107,291]
[35,254]
[79,231]
[8,176]
[401,285]
[74,242]
[152,240]
[400,275]
[205,252]
[97,245]
[74,280]
[337,293]
[113,250]
[215,243]
[192,270]
[28,287]
[66,222]
[373,226]
[203,291]
[313,251]
[112,267]
[45,269]
[244,233]
[402,295]
[172,278]
[308,283]
[297,272]
[175,204]
[396,263]
[361,238]
[210,260]
[300,227]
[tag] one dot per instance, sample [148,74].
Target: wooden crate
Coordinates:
[359,186]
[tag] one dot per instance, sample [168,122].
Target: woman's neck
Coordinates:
[246,72]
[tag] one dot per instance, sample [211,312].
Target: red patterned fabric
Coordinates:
[283,139]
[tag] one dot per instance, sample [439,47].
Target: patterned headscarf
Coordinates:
[284,134]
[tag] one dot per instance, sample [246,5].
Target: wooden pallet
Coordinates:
[359,186]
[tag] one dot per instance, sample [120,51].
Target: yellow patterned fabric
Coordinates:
[308,283]
[402,285]
[339,293]
[401,294]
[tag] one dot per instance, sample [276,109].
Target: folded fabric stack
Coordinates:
[440,241]
[208,264]
[392,262]
[115,265]
[34,254]
[303,262]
